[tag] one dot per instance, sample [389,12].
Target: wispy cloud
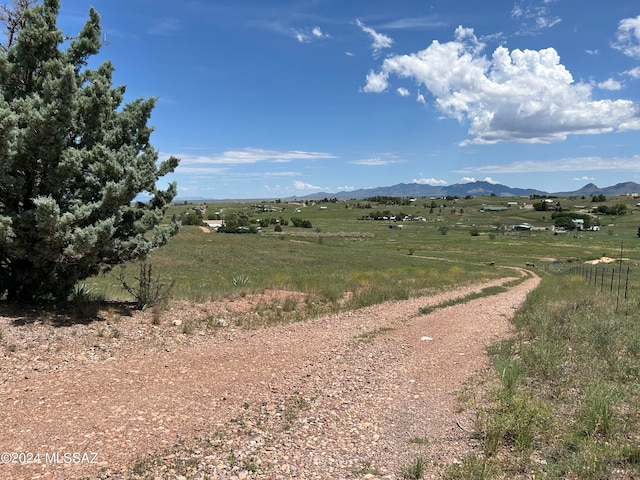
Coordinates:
[317,33]
[628,37]
[255,155]
[414,23]
[630,164]
[379,40]
[309,35]
[534,17]
[221,163]
[165,26]
[377,161]
[520,95]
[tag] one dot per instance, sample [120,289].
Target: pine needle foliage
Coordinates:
[73,160]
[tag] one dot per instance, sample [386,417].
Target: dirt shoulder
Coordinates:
[358,394]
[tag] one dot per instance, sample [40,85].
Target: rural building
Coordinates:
[214,224]
[523,227]
[579,223]
[491,208]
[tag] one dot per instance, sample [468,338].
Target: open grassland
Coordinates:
[347,255]
[208,266]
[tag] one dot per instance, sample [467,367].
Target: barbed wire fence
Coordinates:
[620,278]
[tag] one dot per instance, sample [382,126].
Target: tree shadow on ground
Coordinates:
[62,315]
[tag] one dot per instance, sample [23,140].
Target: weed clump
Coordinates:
[150,290]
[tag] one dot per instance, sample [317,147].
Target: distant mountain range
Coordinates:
[474,189]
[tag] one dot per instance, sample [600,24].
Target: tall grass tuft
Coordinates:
[85,303]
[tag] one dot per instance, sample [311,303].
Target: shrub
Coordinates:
[299,222]
[149,290]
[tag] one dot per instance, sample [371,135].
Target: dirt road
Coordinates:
[359,394]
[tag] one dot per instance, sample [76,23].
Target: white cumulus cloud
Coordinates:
[634,73]
[302,186]
[429,181]
[376,82]
[518,95]
[610,84]
[403,92]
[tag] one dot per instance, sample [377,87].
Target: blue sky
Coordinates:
[279,98]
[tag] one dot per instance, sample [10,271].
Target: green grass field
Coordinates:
[343,253]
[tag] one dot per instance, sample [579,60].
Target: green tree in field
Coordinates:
[565,222]
[73,159]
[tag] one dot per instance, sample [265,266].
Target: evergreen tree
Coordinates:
[72,160]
